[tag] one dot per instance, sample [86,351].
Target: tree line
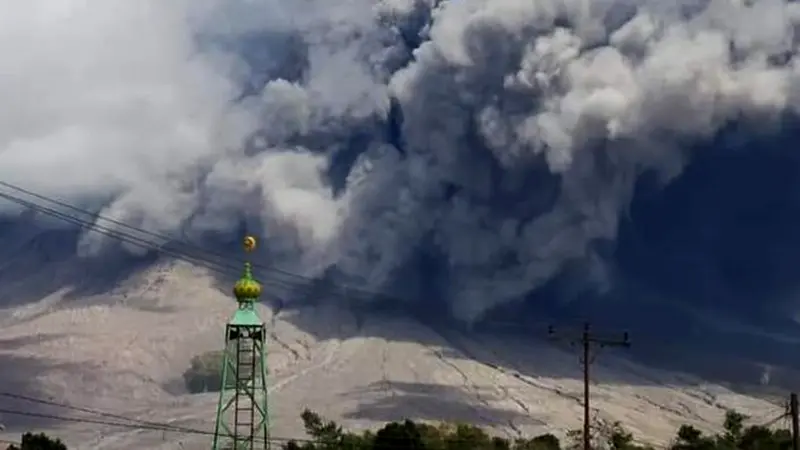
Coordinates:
[410,435]
[328,435]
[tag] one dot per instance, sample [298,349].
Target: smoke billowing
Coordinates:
[503,142]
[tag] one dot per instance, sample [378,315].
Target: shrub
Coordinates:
[205,373]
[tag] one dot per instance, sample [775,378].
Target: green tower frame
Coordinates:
[242,421]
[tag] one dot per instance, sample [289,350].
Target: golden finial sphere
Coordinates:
[247,288]
[249,243]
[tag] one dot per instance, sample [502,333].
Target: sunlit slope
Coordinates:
[124,351]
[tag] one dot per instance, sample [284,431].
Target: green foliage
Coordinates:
[205,372]
[39,441]
[735,436]
[409,435]
[394,435]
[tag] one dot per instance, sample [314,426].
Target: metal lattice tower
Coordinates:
[242,413]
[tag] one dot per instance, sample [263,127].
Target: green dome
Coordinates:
[247,288]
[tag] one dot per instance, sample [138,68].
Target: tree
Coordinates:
[38,441]
[616,437]
[409,435]
[690,438]
[204,372]
[545,442]
[542,442]
[398,435]
[735,436]
[328,435]
[762,438]
[733,426]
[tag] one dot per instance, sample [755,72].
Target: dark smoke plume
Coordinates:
[502,144]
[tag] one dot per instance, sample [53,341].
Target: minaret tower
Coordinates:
[242,415]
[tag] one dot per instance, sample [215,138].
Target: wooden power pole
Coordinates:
[794,413]
[586,339]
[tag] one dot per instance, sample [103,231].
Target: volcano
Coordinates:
[471,171]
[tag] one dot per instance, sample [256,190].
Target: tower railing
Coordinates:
[242,421]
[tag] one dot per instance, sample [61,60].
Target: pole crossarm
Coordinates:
[587,339]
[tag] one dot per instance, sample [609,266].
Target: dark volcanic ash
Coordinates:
[505,143]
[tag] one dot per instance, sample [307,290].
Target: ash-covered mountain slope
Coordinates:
[123,351]
[476,161]
[41,267]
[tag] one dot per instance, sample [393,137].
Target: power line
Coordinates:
[154,426]
[213,260]
[219,267]
[218,257]
[132,426]
[140,426]
[587,339]
[135,423]
[774,420]
[192,253]
[222,264]
[209,259]
[93,215]
[124,237]
[95,412]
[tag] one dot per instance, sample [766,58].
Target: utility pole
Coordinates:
[793,411]
[586,340]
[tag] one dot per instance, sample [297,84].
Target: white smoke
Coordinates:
[525,124]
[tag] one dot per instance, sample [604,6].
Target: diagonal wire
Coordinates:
[155,426]
[188,245]
[206,257]
[224,269]
[190,252]
[91,411]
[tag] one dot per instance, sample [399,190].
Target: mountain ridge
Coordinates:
[123,351]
